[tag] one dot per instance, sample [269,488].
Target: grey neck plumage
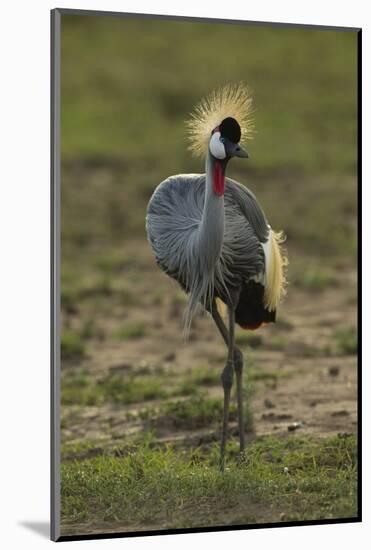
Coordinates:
[204,250]
[211,229]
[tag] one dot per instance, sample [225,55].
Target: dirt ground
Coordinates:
[300,383]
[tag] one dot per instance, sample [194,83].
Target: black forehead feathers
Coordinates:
[231,129]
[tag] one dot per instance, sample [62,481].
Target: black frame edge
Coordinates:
[359,266]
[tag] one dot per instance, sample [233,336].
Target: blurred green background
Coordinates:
[128,85]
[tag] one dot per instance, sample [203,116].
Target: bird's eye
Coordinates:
[222,139]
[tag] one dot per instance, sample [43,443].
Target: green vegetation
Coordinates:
[130,390]
[113,88]
[193,413]
[196,411]
[256,374]
[248,338]
[89,329]
[80,389]
[145,486]
[316,279]
[128,331]
[72,346]
[346,340]
[199,410]
[198,378]
[276,342]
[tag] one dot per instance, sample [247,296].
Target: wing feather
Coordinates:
[173,217]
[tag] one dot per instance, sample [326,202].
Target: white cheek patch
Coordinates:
[216,146]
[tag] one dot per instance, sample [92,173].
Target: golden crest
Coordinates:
[231,100]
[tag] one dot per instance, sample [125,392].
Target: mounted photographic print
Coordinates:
[205,370]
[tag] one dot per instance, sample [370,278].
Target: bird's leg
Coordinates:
[220,323]
[227,380]
[238,366]
[224,332]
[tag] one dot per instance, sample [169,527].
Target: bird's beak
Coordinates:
[241,152]
[235,150]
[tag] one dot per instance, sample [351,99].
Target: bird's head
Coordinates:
[225,139]
[220,122]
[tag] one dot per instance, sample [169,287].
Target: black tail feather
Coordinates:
[250,311]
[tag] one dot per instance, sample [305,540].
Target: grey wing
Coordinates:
[246,229]
[250,208]
[173,216]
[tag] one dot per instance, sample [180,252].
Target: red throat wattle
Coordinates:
[218,179]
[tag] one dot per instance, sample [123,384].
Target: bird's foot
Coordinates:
[227,381]
[238,360]
[242,458]
[227,375]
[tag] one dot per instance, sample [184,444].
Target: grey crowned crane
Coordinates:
[209,233]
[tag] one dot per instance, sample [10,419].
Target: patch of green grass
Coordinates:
[89,329]
[81,389]
[187,387]
[73,294]
[159,487]
[112,261]
[316,279]
[157,297]
[130,331]
[346,341]
[77,389]
[248,391]
[196,412]
[283,323]
[77,378]
[72,345]
[179,297]
[201,411]
[82,449]
[102,286]
[248,338]
[198,378]
[131,389]
[126,296]
[276,343]
[97,291]
[69,297]
[256,374]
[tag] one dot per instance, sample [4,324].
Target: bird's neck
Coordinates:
[211,229]
[215,184]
